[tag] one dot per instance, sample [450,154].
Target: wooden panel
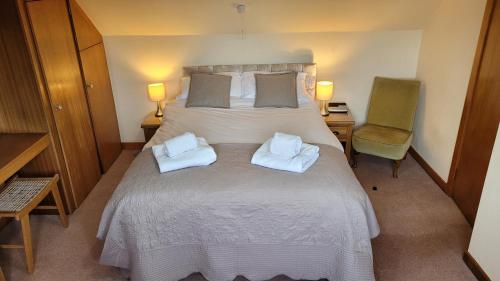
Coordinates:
[475,267]
[87,34]
[480,125]
[57,53]
[21,108]
[51,160]
[101,104]
[21,102]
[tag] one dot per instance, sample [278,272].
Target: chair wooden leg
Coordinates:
[395,168]
[28,248]
[59,204]
[354,161]
[2,277]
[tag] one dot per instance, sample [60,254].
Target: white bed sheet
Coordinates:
[243,123]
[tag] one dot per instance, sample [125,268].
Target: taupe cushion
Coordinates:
[209,90]
[276,90]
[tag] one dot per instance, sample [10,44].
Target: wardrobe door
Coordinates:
[57,53]
[479,122]
[101,103]
[86,33]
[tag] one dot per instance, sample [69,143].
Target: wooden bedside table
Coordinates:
[341,125]
[150,124]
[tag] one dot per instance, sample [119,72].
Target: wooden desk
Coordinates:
[16,150]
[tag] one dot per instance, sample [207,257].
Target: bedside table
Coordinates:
[341,125]
[150,124]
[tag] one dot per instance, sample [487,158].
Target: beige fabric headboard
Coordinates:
[309,68]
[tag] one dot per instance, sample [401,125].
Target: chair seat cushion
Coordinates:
[382,141]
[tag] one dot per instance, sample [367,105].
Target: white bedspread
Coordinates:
[243,123]
[234,218]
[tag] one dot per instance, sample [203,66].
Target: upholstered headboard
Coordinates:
[309,68]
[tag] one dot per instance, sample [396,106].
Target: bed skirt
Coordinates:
[254,262]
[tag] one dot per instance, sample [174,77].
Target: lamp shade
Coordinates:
[156,91]
[324,90]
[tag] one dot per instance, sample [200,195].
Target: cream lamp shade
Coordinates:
[156,91]
[324,93]
[324,90]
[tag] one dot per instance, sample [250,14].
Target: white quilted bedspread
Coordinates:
[233,218]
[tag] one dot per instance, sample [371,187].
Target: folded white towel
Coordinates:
[180,144]
[203,155]
[285,145]
[307,156]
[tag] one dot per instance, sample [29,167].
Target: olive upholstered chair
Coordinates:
[388,129]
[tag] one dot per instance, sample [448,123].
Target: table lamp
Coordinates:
[156,92]
[324,93]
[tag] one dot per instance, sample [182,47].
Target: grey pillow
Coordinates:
[209,90]
[276,90]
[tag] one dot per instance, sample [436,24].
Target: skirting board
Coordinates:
[428,169]
[132,145]
[475,267]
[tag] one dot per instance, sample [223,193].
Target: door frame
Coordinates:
[471,90]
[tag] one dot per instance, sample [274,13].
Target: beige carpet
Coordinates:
[423,233]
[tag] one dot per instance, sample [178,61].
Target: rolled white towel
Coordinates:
[285,145]
[180,144]
[299,164]
[203,155]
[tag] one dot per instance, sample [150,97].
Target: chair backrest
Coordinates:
[393,103]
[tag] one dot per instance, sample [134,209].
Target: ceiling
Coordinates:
[190,17]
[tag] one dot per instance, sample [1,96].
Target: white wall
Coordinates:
[485,242]
[351,59]
[197,17]
[445,62]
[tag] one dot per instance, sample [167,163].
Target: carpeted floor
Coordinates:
[423,234]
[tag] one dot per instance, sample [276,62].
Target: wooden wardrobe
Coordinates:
[54,78]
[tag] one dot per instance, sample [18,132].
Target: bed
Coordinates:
[233,218]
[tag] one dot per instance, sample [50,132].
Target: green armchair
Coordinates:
[388,129]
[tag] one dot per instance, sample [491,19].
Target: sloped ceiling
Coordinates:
[190,17]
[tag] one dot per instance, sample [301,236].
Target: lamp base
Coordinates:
[323,108]
[159,112]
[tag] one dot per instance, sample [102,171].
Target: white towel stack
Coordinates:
[180,144]
[286,160]
[182,152]
[285,145]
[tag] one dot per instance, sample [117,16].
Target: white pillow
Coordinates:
[236,88]
[249,88]
[302,94]
[185,81]
[236,81]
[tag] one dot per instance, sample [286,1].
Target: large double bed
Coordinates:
[233,218]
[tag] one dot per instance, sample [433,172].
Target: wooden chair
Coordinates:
[19,197]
